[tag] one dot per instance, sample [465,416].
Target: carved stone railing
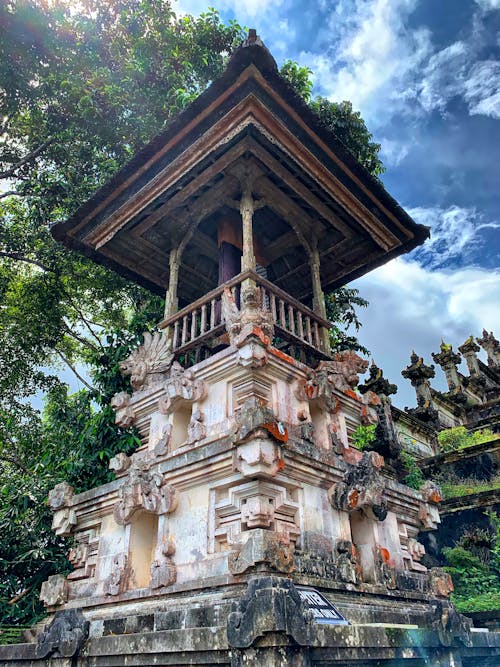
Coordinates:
[297,327]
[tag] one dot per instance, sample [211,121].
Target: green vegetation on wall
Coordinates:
[456,438]
[474,564]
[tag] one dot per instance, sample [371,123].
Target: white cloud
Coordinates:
[243,9]
[488,5]
[482,88]
[413,307]
[384,67]
[373,56]
[393,152]
[455,233]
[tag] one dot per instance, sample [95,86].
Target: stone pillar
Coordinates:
[469,350]
[448,361]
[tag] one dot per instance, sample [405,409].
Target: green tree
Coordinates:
[81,90]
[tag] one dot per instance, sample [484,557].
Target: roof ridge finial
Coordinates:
[253,38]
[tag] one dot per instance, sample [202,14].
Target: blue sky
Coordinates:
[425,75]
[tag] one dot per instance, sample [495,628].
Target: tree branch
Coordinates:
[80,339]
[8,173]
[14,460]
[21,258]
[70,365]
[84,320]
[10,193]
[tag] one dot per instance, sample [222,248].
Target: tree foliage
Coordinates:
[82,88]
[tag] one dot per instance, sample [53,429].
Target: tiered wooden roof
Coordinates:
[308,186]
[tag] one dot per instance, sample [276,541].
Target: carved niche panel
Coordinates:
[255,504]
[83,554]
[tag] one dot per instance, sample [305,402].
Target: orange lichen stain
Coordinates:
[385,555]
[334,410]
[273,429]
[281,464]
[309,390]
[435,497]
[351,393]
[282,355]
[352,455]
[353,499]
[257,331]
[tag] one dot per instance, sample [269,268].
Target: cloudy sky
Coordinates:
[425,75]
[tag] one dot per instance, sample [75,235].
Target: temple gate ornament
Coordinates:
[125,414]
[387,441]
[469,350]
[363,488]
[448,360]
[419,375]
[149,364]
[143,490]
[181,386]
[60,500]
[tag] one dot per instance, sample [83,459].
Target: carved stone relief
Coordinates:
[428,510]
[253,313]
[116,582]
[347,561]
[83,554]
[65,635]
[150,362]
[143,490]
[59,501]
[412,550]
[255,504]
[181,386]
[54,591]
[163,570]
[196,429]
[363,488]
[262,546]
[124,412]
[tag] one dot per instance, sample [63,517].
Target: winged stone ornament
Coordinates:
[148,364]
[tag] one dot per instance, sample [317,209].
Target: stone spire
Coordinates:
[387,441]
[419,375]
[492,347]
[448,361]
[377,383]
[469,350]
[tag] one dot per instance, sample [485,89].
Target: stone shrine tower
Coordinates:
[247,511]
